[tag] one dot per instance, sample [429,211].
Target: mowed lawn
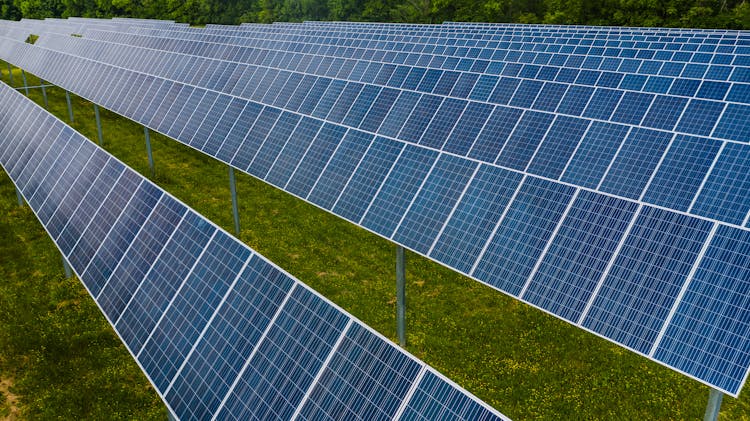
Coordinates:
[63,361]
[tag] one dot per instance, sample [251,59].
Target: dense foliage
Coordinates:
[678,13]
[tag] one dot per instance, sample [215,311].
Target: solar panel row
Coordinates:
[510,229]
[467,44]
[219,330]
[656,71]
[539,143]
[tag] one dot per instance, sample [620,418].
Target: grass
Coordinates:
[527,364]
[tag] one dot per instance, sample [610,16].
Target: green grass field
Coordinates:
[64,361]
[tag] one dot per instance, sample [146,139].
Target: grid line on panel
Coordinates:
[275,381]
[129,247]
[84,206]
[349,388]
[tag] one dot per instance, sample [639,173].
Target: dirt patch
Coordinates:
[8,401]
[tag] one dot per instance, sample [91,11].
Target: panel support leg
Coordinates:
[98,125]
[25,85]
[148,150]
[66,266]
[44,93]
[235,208]
[401,295]
[10,74]
[714,405]
[170,417]
[70,107]
[19,197]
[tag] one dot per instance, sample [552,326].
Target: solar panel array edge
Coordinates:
[43,157]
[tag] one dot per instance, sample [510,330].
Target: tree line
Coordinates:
[732,14]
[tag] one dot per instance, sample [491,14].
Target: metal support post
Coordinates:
[66,266]
[44,93]
[148,150]
[19,197]
[401,295]
[170,417]
[25,85]
[70,107]
[235,210]
[714,405]
[10,74]
[98,124]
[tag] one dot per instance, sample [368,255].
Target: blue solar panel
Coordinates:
[631,169]
[578,255]
[680,175]
[441,190]
[228,145]
[712,315]
[725,193]
[467,128]
[420,117]
[267,153]
[350,388]
[229,340]
[95,233]
[442,123]
[403,182]
[558,145]
[434,400]
[293,151]
[366,180]
[472,221]
[700,117]
[137,261]
[301,337]
[77,209]
[645,278]
[520,147]
[156,290]
[191,308]
[632,108]
[602,103]
[315,159]
[494,133]
[596,150]
[338,170]
[733,124]
[120,236]
[524,230]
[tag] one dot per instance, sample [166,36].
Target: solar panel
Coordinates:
[220,331]
[533,173]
